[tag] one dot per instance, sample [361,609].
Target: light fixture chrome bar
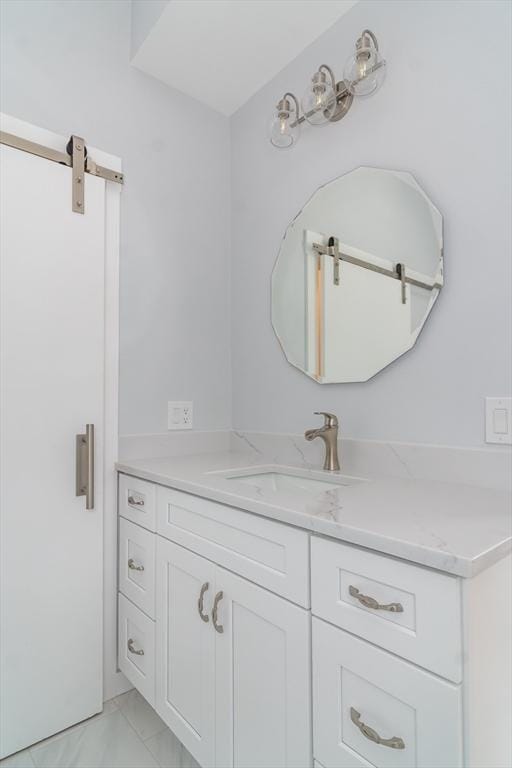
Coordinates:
[327,250]
[17,142]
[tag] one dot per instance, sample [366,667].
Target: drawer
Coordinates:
[273,555]
[136,648]
[362,694]
[409,610]
[137,565]
[137,501]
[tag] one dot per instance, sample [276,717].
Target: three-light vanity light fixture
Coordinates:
[325,100]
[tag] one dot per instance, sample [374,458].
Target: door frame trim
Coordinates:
[114,682]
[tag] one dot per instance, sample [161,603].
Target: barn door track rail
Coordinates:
[75,156]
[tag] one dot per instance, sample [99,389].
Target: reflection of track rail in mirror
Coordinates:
[396,274]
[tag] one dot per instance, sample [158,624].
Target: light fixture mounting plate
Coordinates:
[344,101]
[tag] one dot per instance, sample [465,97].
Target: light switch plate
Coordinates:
[498,420]
[180,414]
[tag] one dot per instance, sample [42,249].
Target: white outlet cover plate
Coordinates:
[498,420]
[180,414]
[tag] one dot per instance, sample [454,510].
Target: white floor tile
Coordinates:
[108,707]
[19,760]
[166,749]
[107,742]
[141,716]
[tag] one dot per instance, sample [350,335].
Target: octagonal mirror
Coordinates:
[358,272]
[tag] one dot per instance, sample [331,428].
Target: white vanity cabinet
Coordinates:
[262,645]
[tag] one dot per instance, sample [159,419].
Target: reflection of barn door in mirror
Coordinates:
[363,321]
[384,236]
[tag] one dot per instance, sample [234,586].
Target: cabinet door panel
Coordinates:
[427,630]
[136,648]
[355,683]
[185,674]
[263,678]
[137,565]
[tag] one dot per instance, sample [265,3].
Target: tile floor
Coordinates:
[127,734]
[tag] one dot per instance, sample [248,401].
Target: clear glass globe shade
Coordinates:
[318,104]
[364,75]
[282,134]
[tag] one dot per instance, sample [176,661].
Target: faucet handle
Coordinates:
[330,419]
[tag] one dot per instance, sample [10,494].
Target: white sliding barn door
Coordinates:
[52,385]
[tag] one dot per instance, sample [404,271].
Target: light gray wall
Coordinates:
[65,66]
[443,114]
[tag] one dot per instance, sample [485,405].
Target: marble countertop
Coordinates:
[459,529]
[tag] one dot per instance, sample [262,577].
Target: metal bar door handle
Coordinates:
[85,466]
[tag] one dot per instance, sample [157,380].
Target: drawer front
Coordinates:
[136,648]
[137,565]
[372,709]
[137,501]
[273,555]
[411,611]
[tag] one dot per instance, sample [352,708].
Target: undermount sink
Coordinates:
[289,481]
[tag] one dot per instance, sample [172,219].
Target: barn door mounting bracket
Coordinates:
[77,149]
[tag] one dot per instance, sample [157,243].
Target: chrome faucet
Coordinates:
[329,434]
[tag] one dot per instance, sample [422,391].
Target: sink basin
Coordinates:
[289,481]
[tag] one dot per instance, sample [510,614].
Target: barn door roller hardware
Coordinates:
[76,157]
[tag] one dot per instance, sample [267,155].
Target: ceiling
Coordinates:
[222,51]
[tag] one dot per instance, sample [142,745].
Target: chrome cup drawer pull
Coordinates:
[200,603]
[395,742]
[133,567]
[133,502]
[132,648]
[218,597]
[370,602]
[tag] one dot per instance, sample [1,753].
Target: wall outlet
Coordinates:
[498,420]
[180,414]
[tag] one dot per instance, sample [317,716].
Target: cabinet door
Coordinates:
[263,678]
[374,709]
[185,648]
